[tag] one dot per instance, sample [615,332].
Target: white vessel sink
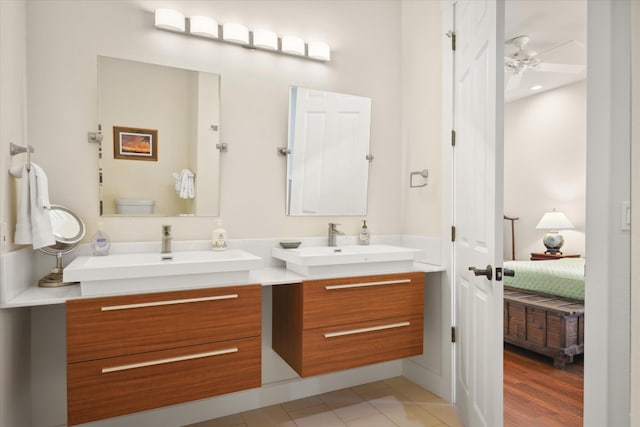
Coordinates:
[347,260]
[119,273]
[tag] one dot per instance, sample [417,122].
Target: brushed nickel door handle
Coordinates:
[488,271]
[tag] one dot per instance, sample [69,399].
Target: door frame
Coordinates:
[608,252]
[606,396]
[635,195]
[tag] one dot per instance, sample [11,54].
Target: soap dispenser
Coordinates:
[219,238]
[363,237]
[100,242]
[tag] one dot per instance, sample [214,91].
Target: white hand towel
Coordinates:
[176,178]
[185,184]
[33,225]
[23,222]
[41,227]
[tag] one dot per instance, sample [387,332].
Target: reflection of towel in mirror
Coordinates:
[185,184]
[33,225]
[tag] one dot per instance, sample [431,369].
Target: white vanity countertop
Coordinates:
[21,269]
[270,276]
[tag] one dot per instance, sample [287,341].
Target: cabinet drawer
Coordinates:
[348,346]
[122,385]
[99,328]
[349,300]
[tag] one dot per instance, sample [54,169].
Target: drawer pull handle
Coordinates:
[367,284]
[168,302]
[169,360]
[363,330]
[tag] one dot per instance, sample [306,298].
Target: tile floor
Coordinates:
[387,403]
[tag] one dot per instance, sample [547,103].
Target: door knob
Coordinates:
[488,271]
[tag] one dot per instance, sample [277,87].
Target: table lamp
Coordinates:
[553,221]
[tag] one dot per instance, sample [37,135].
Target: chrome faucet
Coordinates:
[166,239]
[333,232]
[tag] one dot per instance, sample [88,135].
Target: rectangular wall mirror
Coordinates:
[328,165]
[160,130]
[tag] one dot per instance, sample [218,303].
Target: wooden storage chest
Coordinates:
[548,325]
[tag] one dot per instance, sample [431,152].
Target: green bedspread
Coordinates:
[562,277]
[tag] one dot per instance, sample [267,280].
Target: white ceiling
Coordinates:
[547,23]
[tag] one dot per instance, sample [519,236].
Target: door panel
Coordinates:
[477,202]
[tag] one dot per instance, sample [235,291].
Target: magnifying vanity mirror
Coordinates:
[328,164]
[160,130]
[68,231]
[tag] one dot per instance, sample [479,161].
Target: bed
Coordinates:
[544,307]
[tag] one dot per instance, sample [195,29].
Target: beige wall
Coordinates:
[545,166]
[368,38]
[12,107]
[15,400]
[65,37]
[421,114]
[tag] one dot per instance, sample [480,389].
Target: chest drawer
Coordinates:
[341,347]
[98,328]
[357,299]
[122,385]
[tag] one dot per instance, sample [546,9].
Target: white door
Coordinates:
[477,209]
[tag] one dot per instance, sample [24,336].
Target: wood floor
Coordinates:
[538,395]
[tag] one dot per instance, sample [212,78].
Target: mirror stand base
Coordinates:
[54,280]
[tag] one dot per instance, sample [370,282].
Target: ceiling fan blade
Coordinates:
[559,68]
[558,46]
[514,81]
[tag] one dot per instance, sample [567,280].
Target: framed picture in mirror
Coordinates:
[135,143]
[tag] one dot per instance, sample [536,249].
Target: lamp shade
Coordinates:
[293,44]
[265,39]
[554,221]
[237,33]
[169,19]
[319,50]
[203,26]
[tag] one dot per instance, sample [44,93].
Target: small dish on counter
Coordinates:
[290,244]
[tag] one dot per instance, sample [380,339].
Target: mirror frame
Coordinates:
[63,244]
[194,102]
[336,129]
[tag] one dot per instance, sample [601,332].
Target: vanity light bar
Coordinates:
[202,26]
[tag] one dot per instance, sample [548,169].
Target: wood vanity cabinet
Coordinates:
[322,326]
[137,352]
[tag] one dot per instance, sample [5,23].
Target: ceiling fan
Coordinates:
[522,59]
